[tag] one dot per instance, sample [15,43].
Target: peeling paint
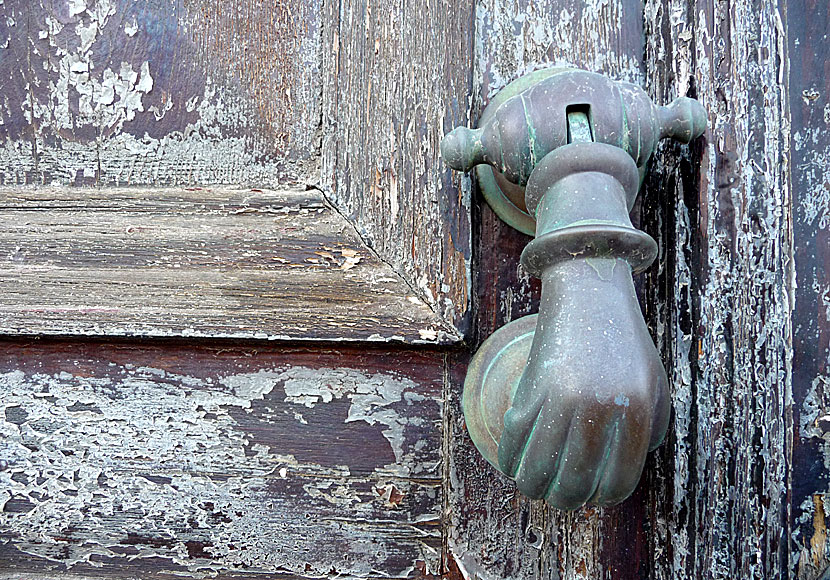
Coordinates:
[373,399]
[515,38]
[144,463]
[729,309]
[87,99]
[814,170]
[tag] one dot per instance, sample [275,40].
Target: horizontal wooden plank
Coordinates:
[197,262]
[127,461]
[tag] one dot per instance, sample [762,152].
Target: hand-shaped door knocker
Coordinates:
[569,401]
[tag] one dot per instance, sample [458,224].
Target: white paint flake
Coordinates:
[131,28]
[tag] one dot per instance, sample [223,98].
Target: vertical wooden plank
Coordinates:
[809,56]
[670,293]
[723,295]
[495,532]
[399,78]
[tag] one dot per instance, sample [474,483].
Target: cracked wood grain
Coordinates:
[399,78]
[158,93]
[197,262]
[736,302]
[722,501]
[190,92]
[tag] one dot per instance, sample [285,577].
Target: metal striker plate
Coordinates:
[508,199]
[491,382]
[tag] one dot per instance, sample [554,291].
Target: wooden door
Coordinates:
[240,290]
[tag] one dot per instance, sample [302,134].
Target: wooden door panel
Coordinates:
[348,98]
[738,489]
[352,98]
[160,461]
[159,92]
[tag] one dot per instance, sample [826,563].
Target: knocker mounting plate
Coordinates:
[491,382]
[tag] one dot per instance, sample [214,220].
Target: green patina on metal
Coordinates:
[509,204]
[579,127]
[491,383]
[568,402]
[612,117]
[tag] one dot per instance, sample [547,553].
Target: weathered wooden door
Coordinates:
[240,290]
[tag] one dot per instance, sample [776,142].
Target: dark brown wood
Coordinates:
[739,488]
[207,262]
[721,499]
[809,106]
[397,78]
[170,461]
[352,97]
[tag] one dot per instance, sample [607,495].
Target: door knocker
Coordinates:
[569,401]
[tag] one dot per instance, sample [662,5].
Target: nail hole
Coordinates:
[534,537]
